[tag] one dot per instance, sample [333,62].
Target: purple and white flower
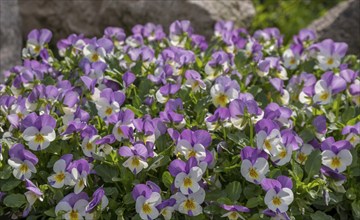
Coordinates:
[22,161]
[278,193]
[254,164]
[39,131]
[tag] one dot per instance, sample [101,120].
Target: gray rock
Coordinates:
[91,17]
[341,23]
[10,35]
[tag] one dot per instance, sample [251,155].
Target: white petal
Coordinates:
[195,173]
[29,133]
[80,206]
[48,133]
[199,196]
[62,206]
[179,179]
[286,195]
[345,157]
[59,166]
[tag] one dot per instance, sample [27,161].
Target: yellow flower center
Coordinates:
[24,168]
[20,115]
[221,100]
[74,215]
[187,182]
[192,153]
[119,131]
[282,154]
[335,162]
[324,96]
[330,61]
[189,204]
[89,146]
[135,162]
[94,57]
[301,157]
[59,177]
[292,61]
[195,85]
[39,138]
[37,49]
[276,201]
[233,216]
[146,208]
[267,144]
[253,173]
[108,111]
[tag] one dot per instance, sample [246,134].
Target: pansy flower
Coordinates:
[31,195]
[336,154]
[233,211]
[36,41]
[190,204]
[254,164]
[137,156]
[39,131]
[179,30]
[278,193]
[224,91]
[109,102]
[73,206]
[329,53]
[22,161]
[80,169]
[187,175]
[98,197]
[353,134]
[147,199]
[61,176]
[218,65]
[166,208]
[194,81]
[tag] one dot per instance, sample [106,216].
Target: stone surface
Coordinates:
[341,23]
[10,35]
[90,17]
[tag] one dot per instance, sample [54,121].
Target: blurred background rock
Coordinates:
[337,19]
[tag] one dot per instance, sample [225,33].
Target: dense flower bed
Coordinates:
[172,126]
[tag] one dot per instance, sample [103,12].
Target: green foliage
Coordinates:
[289,15]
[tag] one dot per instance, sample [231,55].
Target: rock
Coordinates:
[10,35]
[341,23]
[92,17]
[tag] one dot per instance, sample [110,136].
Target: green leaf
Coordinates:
[318,215]
[307,135]
[167,179]
[5,173]
[233,190]
[10,184]
[313,164]
[50,212]
[106,172]
[355,206]
[348,114]
[253,202]
[15,200]
[128,199]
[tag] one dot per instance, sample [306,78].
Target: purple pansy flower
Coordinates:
[278,193]
[73,206]
[233,211]
[22,161]
[336,154]
[147,199]
[61,176]
[39,131]
[254,164]
[224,91]
[187,175]
[31,195]
[98,197]
[329,53]
[36,41]
[137,156]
